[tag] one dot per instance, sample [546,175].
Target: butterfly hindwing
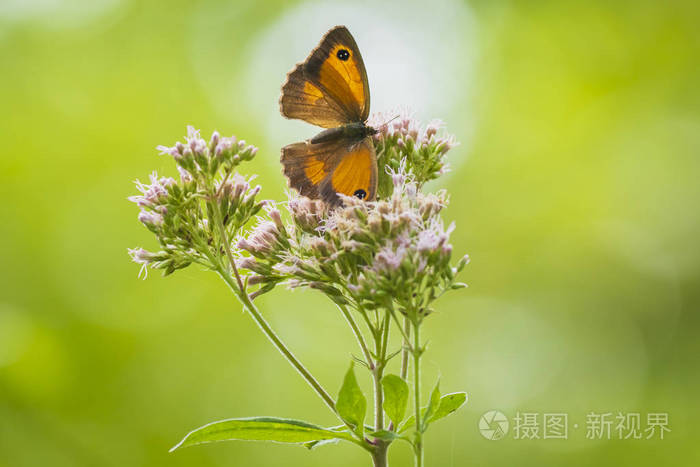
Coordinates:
[336,165]
[305,165]
[354,174]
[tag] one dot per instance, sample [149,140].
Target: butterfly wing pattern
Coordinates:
[302,99]
[323,169]
[330,90]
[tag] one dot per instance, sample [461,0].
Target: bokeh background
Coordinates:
[575,191]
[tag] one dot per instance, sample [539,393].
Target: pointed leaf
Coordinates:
[411,421]
[352,404]
[315,444]
[448,404]
[433,405]
[280,430]
[385,435]
[395,397]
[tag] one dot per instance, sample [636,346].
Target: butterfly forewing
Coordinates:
[304,100]
[337,68]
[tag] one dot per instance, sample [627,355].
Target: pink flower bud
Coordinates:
[276,218]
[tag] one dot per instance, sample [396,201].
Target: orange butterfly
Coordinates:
[330,90]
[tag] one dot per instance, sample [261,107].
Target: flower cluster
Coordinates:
[391,254]
[186,214]
[402,139]
[197,158]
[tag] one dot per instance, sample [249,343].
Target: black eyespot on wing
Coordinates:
[361,194]
[343,54]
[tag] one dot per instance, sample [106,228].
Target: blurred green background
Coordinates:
[575,191]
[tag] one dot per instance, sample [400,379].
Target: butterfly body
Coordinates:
[330,90]
[352,131]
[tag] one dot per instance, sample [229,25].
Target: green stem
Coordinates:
[277,342]
[380,348]
[418,445]
[403,329]
[378,401]
[379,455]
[406,345]
[358,335]
[381,339]
[227,249]
[368,321]
[406,333]
[239,290]
[385,337]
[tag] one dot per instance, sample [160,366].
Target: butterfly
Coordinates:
[330,90]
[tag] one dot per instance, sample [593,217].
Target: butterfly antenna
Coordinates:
[389,121]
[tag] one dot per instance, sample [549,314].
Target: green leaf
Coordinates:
[351,404]
[280,430]
[463,261]
[389,436]
[395,397]
[433,405]
[448,404]
[385,435]
[411,421]
[314,444]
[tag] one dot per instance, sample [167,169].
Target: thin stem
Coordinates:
[378,401]
[398,324]
[418,445]
[223,181]
[227,248]
[406,346]
[277,342]
[252,309]
[358,335]
[239,290]
[380,346]
[381,340]
[385,338]
[368,321]
[263,324]
[405,351]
